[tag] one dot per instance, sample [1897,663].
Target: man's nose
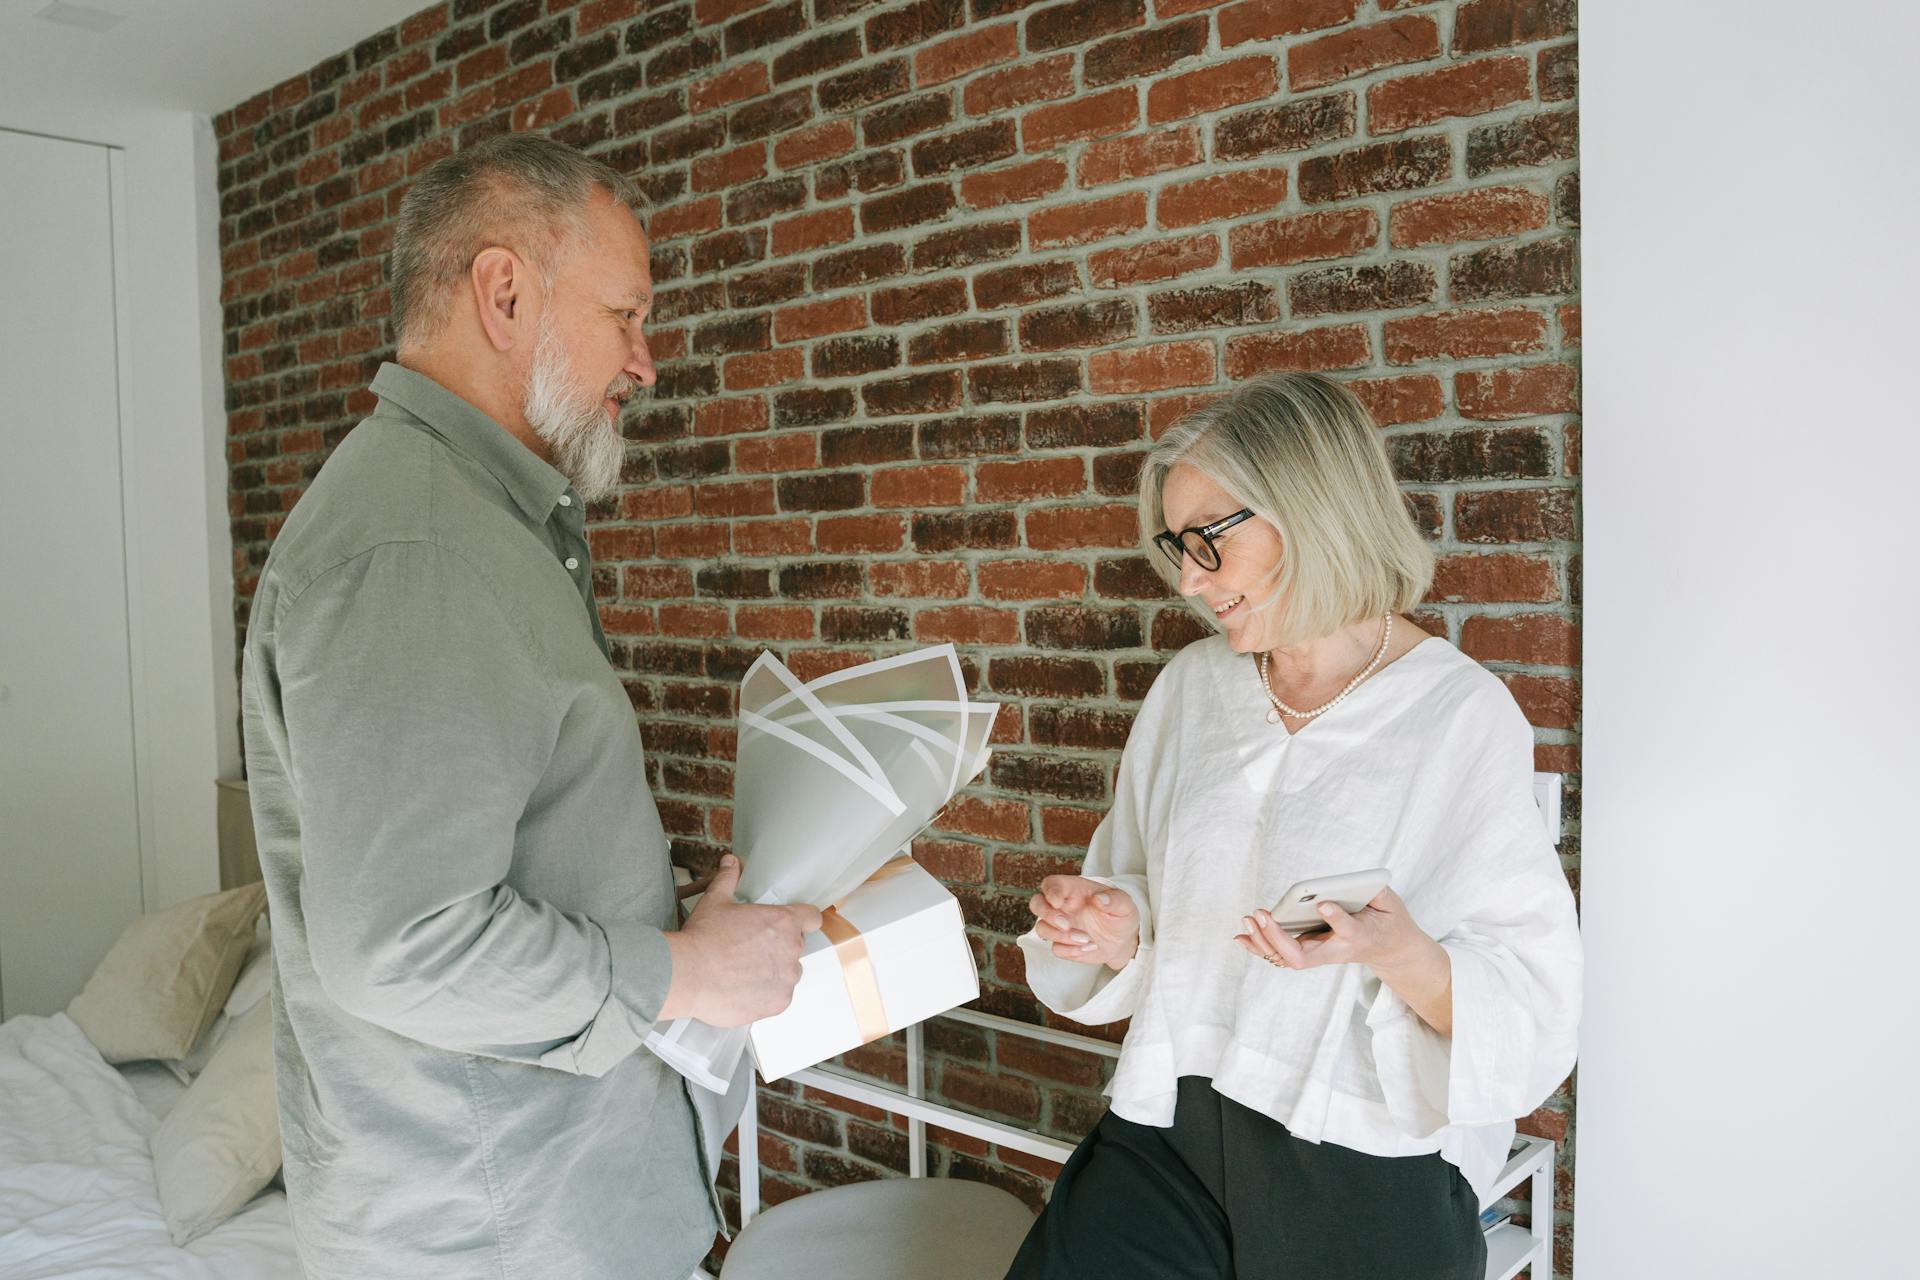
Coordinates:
[639,364]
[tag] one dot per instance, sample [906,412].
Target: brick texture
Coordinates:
[931,276]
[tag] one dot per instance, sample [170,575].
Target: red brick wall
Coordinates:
[930,278]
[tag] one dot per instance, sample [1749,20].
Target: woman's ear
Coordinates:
[500,285]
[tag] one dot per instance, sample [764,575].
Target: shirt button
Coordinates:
[572,563]
[566,499]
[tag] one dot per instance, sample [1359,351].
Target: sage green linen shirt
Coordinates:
[467,878]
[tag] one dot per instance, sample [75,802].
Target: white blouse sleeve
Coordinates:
[1093,994]
[1515,949]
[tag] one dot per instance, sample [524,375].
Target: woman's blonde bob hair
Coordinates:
[1302,453]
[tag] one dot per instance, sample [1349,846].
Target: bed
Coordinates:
[78,1192]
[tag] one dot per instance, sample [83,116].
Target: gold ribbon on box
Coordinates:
[856,965]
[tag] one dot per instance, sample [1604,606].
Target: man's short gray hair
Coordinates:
[519,191]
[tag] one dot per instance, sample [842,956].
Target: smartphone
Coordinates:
[1298,911]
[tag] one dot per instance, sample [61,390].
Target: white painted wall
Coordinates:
[67,774]
[1751,866]
[140,87]
[174,426]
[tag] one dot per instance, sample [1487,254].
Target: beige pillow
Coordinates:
[165,980]
[256,976]
[220,1145]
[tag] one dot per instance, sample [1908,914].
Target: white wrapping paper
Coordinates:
[833,777]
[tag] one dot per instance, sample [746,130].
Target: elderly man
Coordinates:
[473,913]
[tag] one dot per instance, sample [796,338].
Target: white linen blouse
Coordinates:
[1426,769]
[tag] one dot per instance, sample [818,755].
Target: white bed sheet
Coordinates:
[77,1197]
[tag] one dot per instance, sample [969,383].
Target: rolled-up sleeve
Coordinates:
[418,724]
[1516,961]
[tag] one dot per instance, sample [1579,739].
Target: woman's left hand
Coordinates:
[1382,936]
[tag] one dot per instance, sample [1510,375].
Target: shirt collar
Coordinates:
[534,486]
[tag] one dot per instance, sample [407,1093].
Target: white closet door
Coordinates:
[69,829]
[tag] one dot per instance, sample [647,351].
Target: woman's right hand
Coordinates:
[1086,921]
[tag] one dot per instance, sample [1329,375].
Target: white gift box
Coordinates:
[893,952]
[831,777]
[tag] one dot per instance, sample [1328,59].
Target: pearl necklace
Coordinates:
[1282,709]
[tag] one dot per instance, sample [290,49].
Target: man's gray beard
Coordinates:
[587,448]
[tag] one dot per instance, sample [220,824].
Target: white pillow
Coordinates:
[167,977]
[256,973]
[185,1069]
[220,1145]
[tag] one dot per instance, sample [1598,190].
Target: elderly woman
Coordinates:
[1330,1105]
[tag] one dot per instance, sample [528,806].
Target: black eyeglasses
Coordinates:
[1198,541]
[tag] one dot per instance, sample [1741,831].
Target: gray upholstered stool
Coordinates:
[895,1229]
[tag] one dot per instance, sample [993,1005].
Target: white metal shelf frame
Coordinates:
[1511,1249]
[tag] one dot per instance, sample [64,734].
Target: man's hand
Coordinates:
[734,963]
[1086,921]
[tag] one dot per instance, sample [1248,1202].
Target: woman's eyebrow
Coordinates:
[1210,516]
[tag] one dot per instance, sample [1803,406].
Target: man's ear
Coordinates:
[501,288]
